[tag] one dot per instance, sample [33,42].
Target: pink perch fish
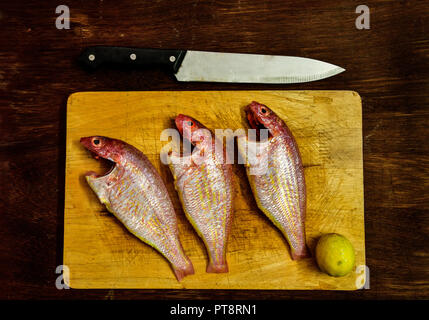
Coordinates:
[204,185]
[134,192]
[276,176]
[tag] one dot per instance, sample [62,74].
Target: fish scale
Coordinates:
[134,192]
[279,190]
[205,201]
[205,191]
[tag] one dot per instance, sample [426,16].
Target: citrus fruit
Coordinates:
[335,255]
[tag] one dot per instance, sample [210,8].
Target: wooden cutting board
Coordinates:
[327,125]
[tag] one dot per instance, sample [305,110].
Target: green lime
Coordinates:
[335,255]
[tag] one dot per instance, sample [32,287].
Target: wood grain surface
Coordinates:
[387,65]
[328,127]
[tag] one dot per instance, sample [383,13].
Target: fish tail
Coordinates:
[183,272]
[216,267]
[301,253]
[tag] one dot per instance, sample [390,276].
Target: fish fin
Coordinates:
[254,153]
[217,268]
[179,165]
[301,254]
[242,143]
[98,185]
[181,273]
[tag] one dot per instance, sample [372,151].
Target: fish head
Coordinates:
[192,130]
[262,117]
[103,147]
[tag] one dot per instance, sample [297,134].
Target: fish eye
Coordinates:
[264,110]
[190,123]
[96,141]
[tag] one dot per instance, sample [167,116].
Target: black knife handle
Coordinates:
[94,57]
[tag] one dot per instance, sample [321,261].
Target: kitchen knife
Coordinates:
[189,65]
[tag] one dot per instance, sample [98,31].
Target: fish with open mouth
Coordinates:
[276,175]
[204,184]
[135,193]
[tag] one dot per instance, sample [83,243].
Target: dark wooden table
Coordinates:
[387,64]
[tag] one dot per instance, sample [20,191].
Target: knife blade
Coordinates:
[189,65]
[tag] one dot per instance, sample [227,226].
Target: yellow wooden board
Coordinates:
[327,125]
